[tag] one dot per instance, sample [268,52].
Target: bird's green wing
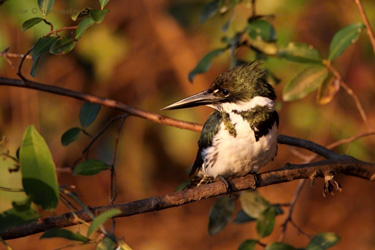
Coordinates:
[210,128]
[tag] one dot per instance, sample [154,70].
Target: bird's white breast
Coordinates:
[240,155]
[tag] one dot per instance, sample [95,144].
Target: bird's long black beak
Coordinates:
[201,98]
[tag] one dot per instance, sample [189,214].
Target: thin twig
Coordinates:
[11,189]
[367,23]
[291,208]
[113,185]
[19,71]
[349,91]
[55,32]
[300,230]
[87,148]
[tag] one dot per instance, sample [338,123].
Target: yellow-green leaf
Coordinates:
[101,218]
[38,170]
[31,22]
[253,204]
[266,222]
[103,3]
[323,241]
[45,6]
[300,52]
[83,26]
[90,167]
[305,82]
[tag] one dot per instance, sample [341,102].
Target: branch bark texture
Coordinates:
[331,167]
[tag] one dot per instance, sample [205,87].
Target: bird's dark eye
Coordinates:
[224,91]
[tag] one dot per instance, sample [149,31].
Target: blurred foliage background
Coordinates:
[141,55]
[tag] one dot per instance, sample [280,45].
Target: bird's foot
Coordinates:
[227,184]
[330,185]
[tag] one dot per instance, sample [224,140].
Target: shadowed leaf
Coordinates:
[14,217]
[88,113]
[100,219]
[209,10]
[41,46]
[62,46]
[31,22]
[248,245]
[242,217]
[323,241]
[344,38]
[90,167]
[305,82]
[300,52]
[328,90]
[205,63]
[70,136]
[266,222]
[63,233]
[279,246]
[98,15]
[261,30]
[220,214]
[38,170]
[82,13]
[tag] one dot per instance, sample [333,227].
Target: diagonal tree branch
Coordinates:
[283,139]
[331,167]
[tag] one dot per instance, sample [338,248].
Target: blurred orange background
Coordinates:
[141,55]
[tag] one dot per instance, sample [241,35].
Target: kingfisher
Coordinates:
[240,136]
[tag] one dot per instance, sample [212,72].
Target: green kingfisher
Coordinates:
[240,136]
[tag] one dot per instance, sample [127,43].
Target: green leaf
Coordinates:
[220,214]
[88,113]
[242,217]
[305,82]
[83,26]
[82,13]
[38,170]
[90,167]
[13,218]
[253,203]
[344,38]
[70,136]
[209,10]
[101,218]
[63,233]
[205,63]
[41,46]
[261,30]
[106,244]
[300,52]
[98,15]
[323,241]
[103,3]
[62,46]
[279,246]
[266,222]
[248,245]
[31,22]
[45,6]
